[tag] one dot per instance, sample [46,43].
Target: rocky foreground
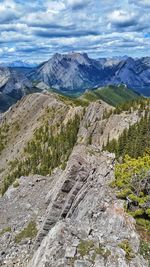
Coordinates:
[80,221]
[71,218]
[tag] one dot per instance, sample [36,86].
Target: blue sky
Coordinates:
[35,30]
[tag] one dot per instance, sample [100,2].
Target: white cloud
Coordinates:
[122,17]
[144,3]
[37,29]
[8,11]
[54,6]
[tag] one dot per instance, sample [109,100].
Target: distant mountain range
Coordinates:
[72,74]
[19,64]
[77,72]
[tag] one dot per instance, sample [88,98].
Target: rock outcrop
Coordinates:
[79,220]
[98,129]
[85,224]
[19,207]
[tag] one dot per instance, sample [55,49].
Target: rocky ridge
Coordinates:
[85,212]
[79,221]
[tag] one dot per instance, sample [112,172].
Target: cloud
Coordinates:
[59,33]
[122,18]
[77,4]
[8,12]
[37,29]
[143,3]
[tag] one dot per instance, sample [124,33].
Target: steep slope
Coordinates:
[135,73]
[13,85]
[84,223]
[58,206]
[27,116]
[113,95]
[77,72]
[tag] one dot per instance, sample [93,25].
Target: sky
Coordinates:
[34,30]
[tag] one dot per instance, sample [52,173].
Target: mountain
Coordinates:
[71,72]
[66,198]
[19,64]
[77,72]
[113,95]
[135,73]
[13,86]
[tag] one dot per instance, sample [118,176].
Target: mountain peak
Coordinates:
[81,58]
[77,72]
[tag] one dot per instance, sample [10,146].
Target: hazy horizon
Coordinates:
[30,61]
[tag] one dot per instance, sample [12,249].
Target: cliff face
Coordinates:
[85,224]
[71,218]
[97,128]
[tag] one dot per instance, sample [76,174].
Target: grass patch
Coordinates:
[29,232]
[73,101]
[85,246]
[88,248]
[5,230]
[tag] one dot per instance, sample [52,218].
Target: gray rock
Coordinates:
[88,212]
[82,263]
[70,252]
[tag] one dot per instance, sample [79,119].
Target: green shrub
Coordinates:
[132,181]
[148,212]
[145,250]
[145,224]
[16,183]
[3,136]
[125,245]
